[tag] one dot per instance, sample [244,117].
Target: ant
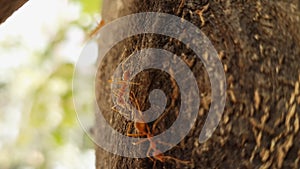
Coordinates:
[143,130]
[120,93]
[95,30]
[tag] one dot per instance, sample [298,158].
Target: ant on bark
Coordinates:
[95,30]
[120,101]
[142,128]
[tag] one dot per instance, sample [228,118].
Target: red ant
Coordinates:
[120,93]
[95,30]
[143,130]
[126,76]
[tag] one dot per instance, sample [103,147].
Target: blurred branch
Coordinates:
[8,7]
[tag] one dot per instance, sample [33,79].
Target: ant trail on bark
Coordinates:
[143,130]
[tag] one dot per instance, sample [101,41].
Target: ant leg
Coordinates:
[184,162]
[154,164]
[116,110]
[159,119]
[145,127]
[141,141]
[172,104]
[135,101]
[133,97]
[123,62]
[136,135]
[164,143]
[121,102]
[128,130]
[114,80]
[148,153]
[123,82]
[163,115]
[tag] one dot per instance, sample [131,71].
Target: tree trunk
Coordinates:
[8,7]
[258,43]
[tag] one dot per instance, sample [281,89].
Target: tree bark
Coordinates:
[8,7]
[258,43]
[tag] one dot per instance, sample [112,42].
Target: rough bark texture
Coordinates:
[259,45]
[8,7]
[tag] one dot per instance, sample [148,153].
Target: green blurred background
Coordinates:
[39,46]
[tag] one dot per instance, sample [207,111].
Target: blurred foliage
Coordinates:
[91,6]
[48,134]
